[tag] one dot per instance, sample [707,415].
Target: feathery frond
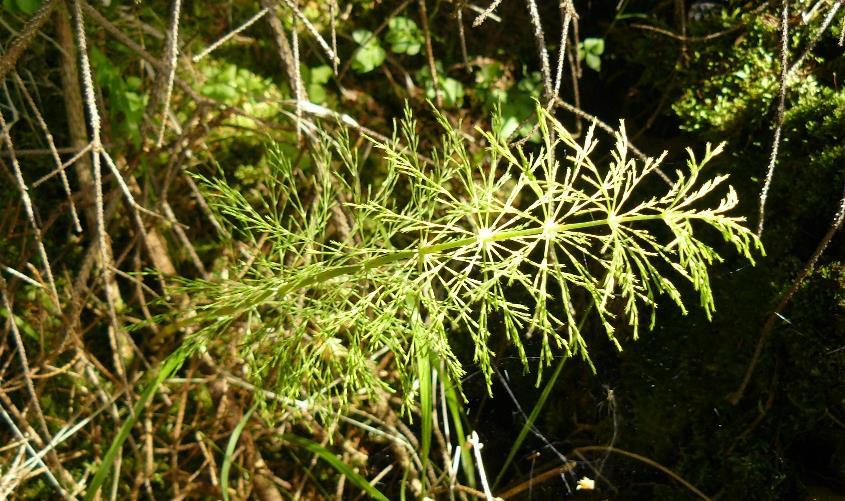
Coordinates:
[475,237]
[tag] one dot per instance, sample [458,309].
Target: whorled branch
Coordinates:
[448,260]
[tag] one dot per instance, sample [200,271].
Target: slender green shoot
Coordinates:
[335,462]
[167,369]
[230,451]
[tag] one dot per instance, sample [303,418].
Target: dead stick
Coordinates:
[25,37]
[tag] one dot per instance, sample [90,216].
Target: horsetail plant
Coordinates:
[498,241]
[443,247]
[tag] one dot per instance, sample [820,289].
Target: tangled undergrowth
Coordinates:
[280,250]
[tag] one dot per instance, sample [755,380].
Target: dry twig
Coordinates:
[122,349]
[488,12]
[228,36]
[770,171]
[25,37]
[429,52]
[172,52]
[52,147]
[30,212]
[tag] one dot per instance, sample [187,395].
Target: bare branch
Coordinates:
[285,52]
[333,21]
[25,37]
[64,165]
[770,171]
[173,52]
[567,13]
[488,12]
[810,46]
[121,351]
[429,52]
[311,29]
[540,39]
[52,147]
[27,376]
[228,36]
[30,213]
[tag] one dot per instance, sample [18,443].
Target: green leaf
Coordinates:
[315,79]
[333,461]
[538,406]
[509,126]
[230,451]
[593,62]
[316,93]
[29,6]
[22,325]
[370,54]
[532,84]
[456,410]
[458,212]
[453,91]
[426,398]
[594,46]
[591,51]
[489,74]
[404,36]
[321,74]
[170,365]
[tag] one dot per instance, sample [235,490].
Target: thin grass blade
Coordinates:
[342,468]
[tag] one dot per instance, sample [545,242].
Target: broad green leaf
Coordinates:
[316,79]
[594,46]
[316,93]
[369,54]
[404,36]
[591,51]
[321,74]
[453,91]
[29,6]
